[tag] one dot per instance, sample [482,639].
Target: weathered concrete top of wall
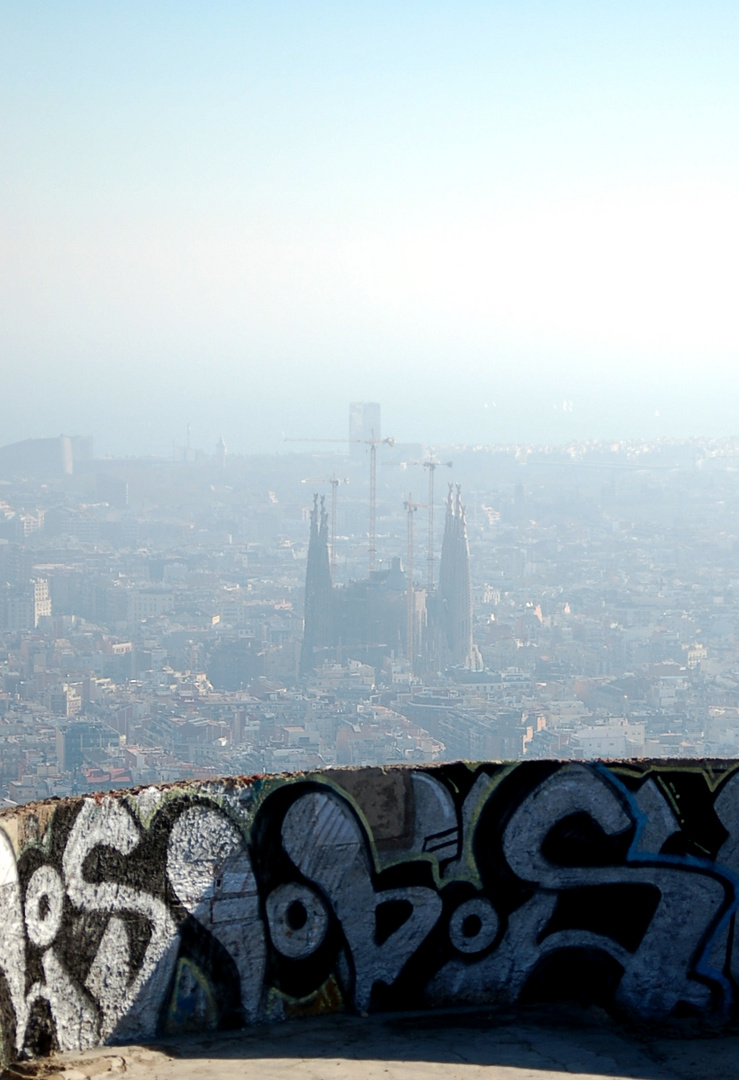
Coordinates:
[222,903]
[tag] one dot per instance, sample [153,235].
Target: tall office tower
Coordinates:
[221,453]
[23,605]
[38,458]
[364,423]
[455,591]
[318,620]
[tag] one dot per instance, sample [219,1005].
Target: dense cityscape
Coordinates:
[210,614]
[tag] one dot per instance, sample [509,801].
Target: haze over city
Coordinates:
[507,222]
[267,269]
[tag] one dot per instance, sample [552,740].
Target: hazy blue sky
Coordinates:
[244,215]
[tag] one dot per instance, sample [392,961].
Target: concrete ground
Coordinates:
[528,1044]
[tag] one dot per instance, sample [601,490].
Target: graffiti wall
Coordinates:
[219,904]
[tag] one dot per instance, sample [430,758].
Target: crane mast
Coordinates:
[373,507]
[410,592]
[432,464]
[410,595]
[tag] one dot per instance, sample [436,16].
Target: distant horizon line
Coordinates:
[193,454]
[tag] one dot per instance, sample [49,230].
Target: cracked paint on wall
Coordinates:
[218,904]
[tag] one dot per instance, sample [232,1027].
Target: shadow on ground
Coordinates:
[534,1043]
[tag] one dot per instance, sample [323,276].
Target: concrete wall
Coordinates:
[223,903]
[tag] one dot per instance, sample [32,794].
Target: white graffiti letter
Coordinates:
[129,1001]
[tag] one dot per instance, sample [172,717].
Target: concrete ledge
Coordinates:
[210,906]
[532,1043]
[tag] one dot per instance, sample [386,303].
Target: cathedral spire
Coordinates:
[455,590]
[319,608]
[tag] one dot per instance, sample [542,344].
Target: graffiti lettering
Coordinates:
[173,908]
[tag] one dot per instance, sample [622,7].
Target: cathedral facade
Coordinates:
[368,618]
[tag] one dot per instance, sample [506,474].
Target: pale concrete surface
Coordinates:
[528,1044]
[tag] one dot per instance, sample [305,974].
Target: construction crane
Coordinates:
[334,481]
[432,464]
[410,592]
[373,443]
